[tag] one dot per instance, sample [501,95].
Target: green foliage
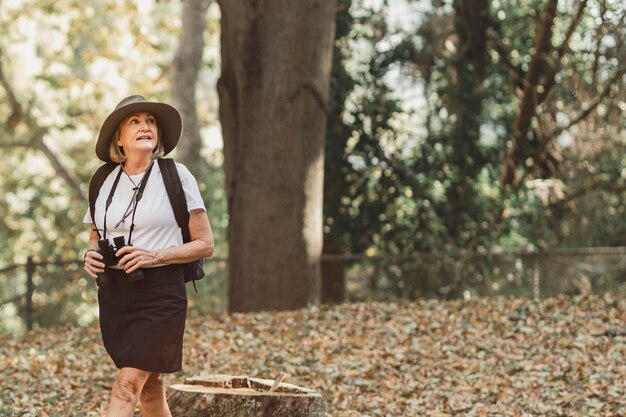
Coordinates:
[399,191]
[438,188]
[399,181]
[573,183]
[362,195]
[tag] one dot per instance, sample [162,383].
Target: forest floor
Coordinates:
[564,356]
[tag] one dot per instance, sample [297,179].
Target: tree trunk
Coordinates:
[183,78]
[276,57]
[236,396]
[466,103]
[333,276]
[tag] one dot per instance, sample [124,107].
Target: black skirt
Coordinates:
[143,322]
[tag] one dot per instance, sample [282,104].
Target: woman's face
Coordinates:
[138,132]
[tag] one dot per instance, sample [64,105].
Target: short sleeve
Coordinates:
[190,187]
[87,218]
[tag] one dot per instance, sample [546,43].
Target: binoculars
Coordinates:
[109,259]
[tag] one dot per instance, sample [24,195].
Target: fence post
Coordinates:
[536,280]
[30,289]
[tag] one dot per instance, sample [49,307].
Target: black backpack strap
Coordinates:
[176,194]
[95,184]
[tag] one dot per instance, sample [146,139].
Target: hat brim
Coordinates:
[167,117]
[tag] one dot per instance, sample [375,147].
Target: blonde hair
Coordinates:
[116,152]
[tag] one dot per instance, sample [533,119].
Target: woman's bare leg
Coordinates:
[153,403]
[125,392]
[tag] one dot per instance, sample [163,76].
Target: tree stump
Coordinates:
[242,396]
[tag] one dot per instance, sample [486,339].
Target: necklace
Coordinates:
[129,209]
[135,186]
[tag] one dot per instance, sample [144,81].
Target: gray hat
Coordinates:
[167,117]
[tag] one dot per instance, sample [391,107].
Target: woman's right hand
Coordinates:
[93,266]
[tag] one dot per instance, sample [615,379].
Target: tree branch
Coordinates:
[560,52]
[529,102]
[17,113]
[583,115]
[14,144]
[591,186]
[516,73]
[37,134]
[70,179]
[570,30]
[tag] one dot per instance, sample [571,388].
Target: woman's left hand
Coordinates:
[133,258]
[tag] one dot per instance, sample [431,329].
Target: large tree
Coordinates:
[276,62]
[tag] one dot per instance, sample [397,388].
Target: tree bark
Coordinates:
[183,78]
[276,59]
[232,396]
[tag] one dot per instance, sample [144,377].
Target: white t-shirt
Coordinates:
[155,224]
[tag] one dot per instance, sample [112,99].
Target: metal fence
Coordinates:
[53,293]
[532,274]
[42,294]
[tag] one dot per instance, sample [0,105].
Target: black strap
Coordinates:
[109,200]
[95,184]
[176,194]
[97,180]
[173,186]
[142,187]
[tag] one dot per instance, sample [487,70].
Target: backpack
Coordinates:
[193,271]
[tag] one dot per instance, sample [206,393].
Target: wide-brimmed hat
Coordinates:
[167,117]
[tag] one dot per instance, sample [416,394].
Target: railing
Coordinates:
[58,291]
[27,296]
[532,274]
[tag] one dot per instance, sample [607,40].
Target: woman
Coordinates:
[142,321]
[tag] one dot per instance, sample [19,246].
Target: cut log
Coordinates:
[242,396]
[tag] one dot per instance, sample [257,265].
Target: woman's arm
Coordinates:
[201,246]
[93,266]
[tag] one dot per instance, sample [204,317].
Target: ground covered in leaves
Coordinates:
[483,357]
